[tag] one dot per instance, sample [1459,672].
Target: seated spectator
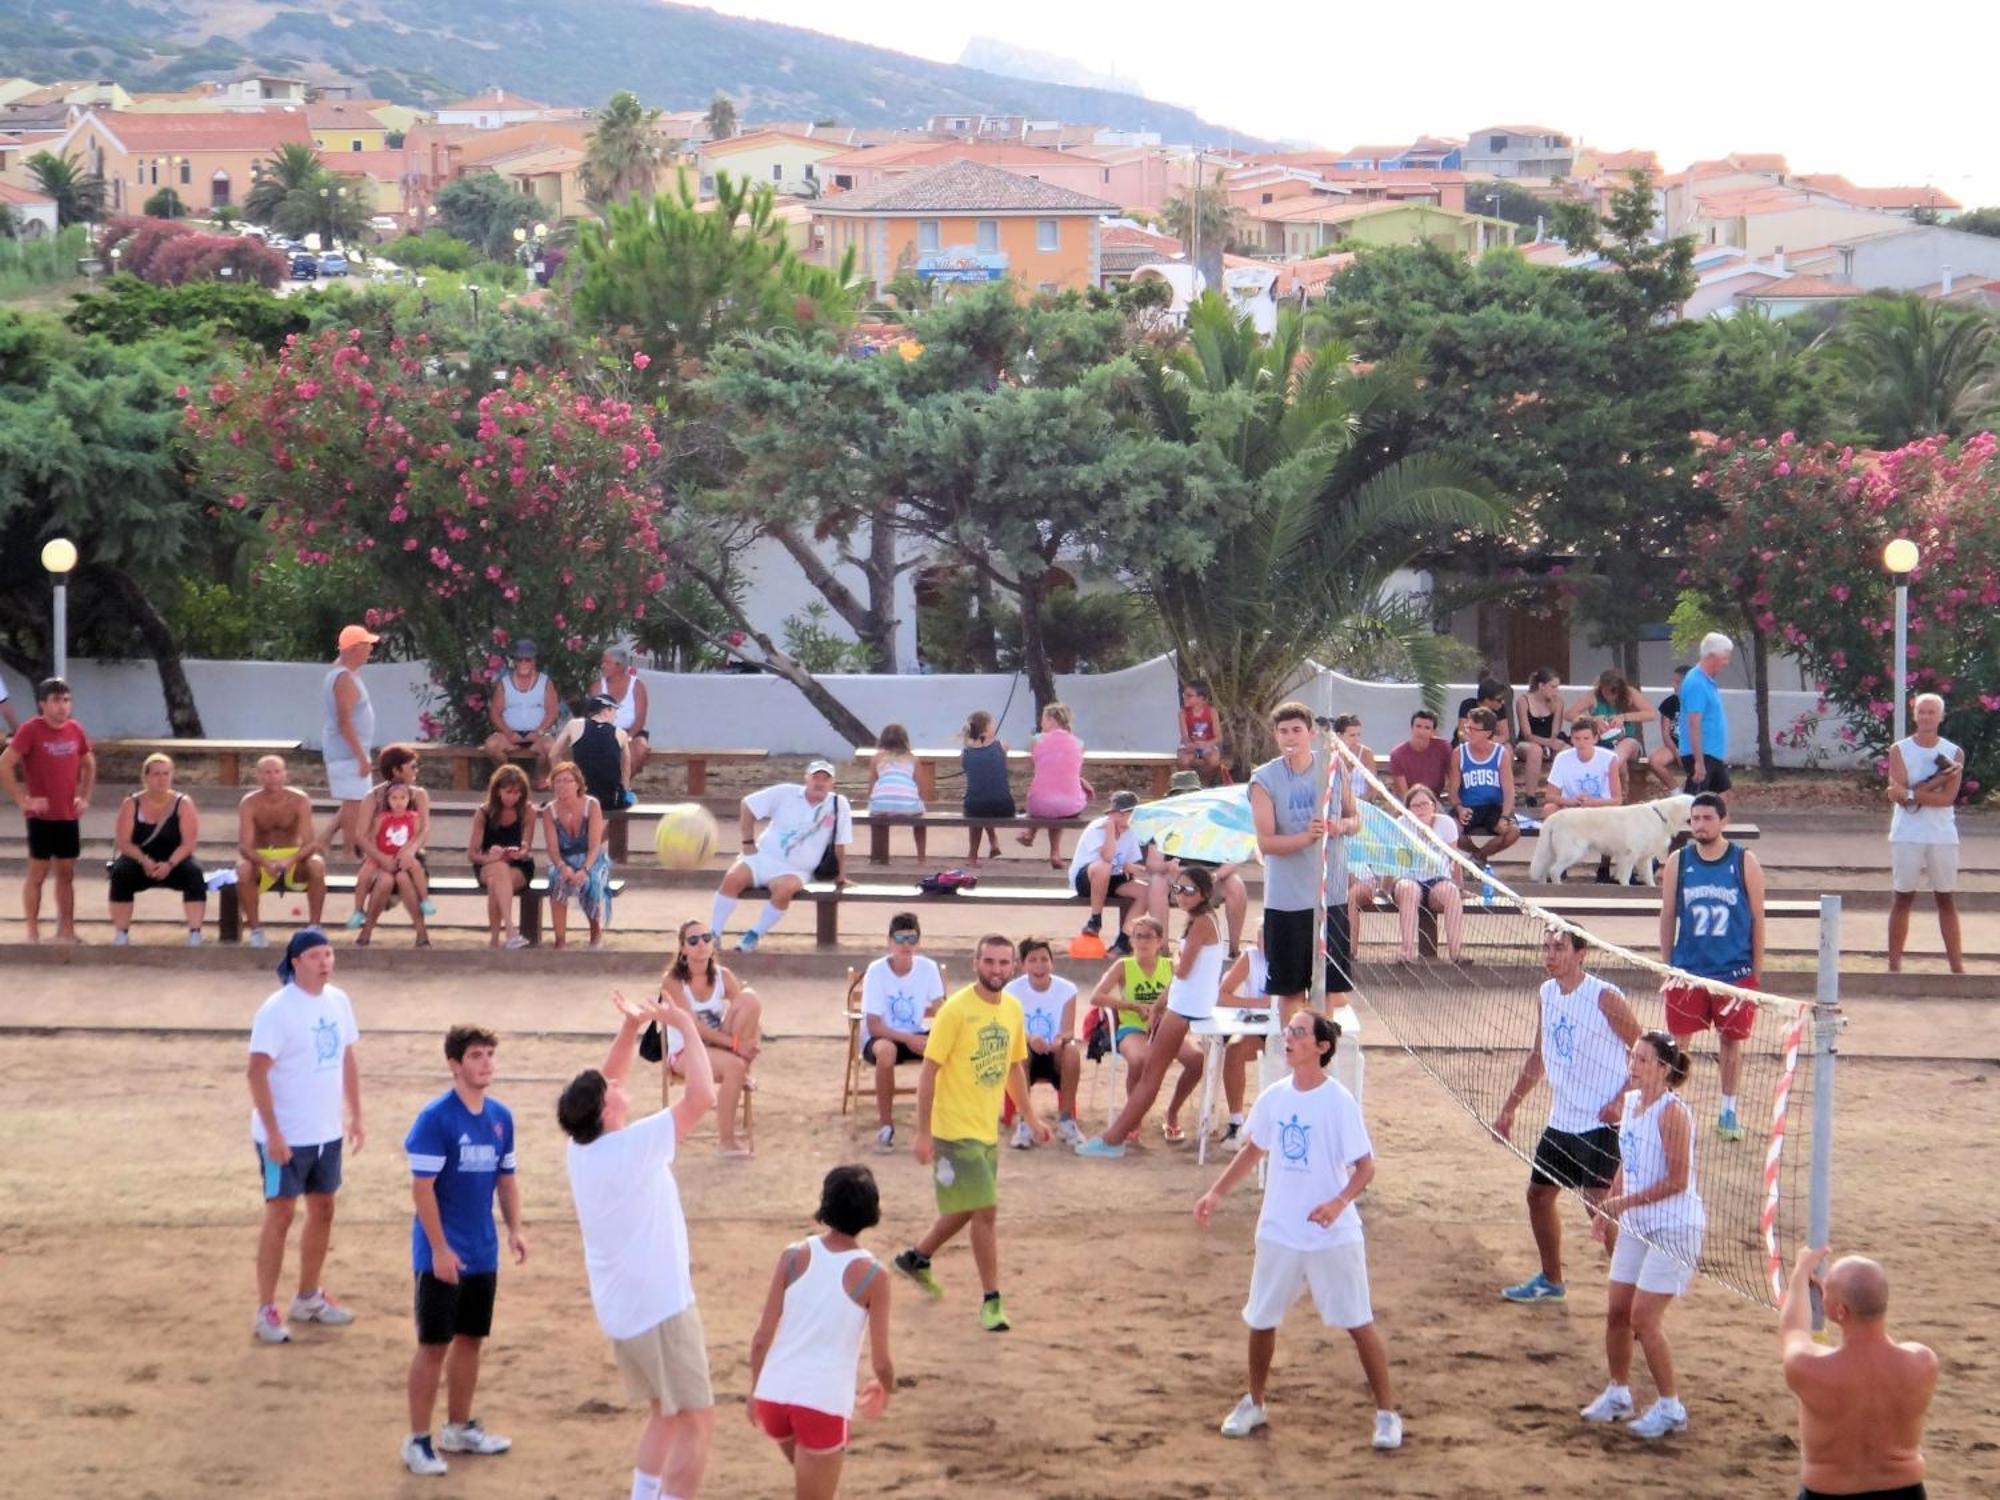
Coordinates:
[619,681]
[1201,735]
[900,993]
[1245,983]
[1539,735]
[1107,865]
[1161,868]
[600,749]
[892,780]
[1422,760]
[1437,885]
[1482,787]
[155,837]
[523,709]
[579,864]
[806,829]
[1586,775]
[982,760]
[502,851]
[1495,697]
[1622,712]
[1056,789]
[1670,710]
[1129,998]
[1048,1011]
[397,765]
[391,833]
[728,1021]
[1348,727]
[276,848]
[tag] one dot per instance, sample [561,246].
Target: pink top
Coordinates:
[1056,789]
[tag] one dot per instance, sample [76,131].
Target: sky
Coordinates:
[1887,97]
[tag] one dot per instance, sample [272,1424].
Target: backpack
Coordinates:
[947,883]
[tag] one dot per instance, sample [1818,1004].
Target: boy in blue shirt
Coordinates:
[461,1152]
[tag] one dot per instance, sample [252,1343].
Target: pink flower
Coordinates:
[640,361]
[409,544]
[1840,592]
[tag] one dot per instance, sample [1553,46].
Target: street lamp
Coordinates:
[1900,558]
[59,557]
[473,293]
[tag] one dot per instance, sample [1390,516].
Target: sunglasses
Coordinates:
[697,937]
[906,939]
[1182,888]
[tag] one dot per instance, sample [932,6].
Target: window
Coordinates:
[1048,234]
[843,180]
[1496,143]
[218,190]
[1265,198]
[1107,175]
[777,171]
[1046,288]
[353,145]
[927,235]
[988,232]
[187,171]
[811,175]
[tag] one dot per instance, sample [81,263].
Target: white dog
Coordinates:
[1630,837]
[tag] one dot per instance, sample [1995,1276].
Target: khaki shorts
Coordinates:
[1912,865]
[668,1363]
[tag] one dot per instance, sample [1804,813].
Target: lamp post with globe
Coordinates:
[1900,557]
[59,557]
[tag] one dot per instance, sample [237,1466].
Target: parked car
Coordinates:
[305,268]
[333,263]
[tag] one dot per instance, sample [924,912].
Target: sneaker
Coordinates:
[1122,947]
[1614,1404]
[918,1270]
[599,944]
[1661,1418]
[992,1316]
[1246,1419]
[420,1458]
[1097,1148]
[270,1328]
[470,1437]
[194,939]
[1093,926]
[1727,1127]
[748,942]
[515,943]
[430,909]
[1232,1137]
[121,939]
[257,938]
[885,1139]
[1068,1133]
[1023,1137]
[1388,1430]
[355,919]
[1537,1288]
[320,1308]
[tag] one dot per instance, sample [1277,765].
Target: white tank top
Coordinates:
[1585,1060]
[360,716]
[521,709]
[1257,980]
[1194,996]
[812,1359]
[628,711]
[1644,1157]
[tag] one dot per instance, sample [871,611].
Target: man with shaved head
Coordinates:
[275,848]
[1862,1402]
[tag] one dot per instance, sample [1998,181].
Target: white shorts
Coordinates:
[764,868]
[1338,1276]
[1663,1262]
[1912,865]
[346,781]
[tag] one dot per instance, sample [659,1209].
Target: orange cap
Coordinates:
[357,635]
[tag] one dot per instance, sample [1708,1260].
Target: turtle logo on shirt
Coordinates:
[326,1041]
[1294,1139]
[902,1011]
[1041,1026]
[1562,1039]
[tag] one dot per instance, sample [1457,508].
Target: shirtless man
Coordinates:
[1861,1402]
[276,848]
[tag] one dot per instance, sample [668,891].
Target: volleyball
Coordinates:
[686,837]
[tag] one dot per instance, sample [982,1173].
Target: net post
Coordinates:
[1826,1026]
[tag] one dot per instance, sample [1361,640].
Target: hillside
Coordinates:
[562,51]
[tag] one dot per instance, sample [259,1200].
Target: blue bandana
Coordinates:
[304,938]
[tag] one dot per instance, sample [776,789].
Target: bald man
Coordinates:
[1861,1402]
[276,848]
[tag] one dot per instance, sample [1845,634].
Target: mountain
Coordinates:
[561,51]
[991,55]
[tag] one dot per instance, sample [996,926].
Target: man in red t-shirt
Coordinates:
[55,762]
[1201,735]
[1421,760]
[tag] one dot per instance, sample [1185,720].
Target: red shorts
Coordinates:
[1690,1008]
[814,1431]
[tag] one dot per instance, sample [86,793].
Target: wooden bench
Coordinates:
[229,914]
[1159,764]
[229,754]
[463,757]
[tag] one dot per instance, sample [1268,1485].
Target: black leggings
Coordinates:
[1906,1492]
[128,879]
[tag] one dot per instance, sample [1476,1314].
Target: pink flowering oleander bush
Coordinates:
[480,516]
[1797,544]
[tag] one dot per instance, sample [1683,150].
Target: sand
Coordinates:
[128,1207]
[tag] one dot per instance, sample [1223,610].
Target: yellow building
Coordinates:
[1292,227]
[210,159]
[340,126]
[786,163]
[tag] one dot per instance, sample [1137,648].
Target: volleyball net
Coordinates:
[1450,959]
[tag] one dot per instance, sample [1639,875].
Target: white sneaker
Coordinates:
[194,939]
[515,943]
[257,938]
[1243,1421]
[1023,1137]
[471,1438]
[885,1139]
[1659,1420]
[1613,1405]
[270,1328]
[1388,1430]
[320,1308]
[121,939]
[1069,1133]
[420,1458]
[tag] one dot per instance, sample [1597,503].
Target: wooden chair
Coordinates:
[667,1092]
[850,1010]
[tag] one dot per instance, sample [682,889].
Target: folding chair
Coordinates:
[850,1011]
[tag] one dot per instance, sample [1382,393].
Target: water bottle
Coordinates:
[1486,886]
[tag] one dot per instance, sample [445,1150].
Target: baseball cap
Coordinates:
[525,647]
[1124,801]
[820,765]
[357,635]
[1183,781]
[596,703]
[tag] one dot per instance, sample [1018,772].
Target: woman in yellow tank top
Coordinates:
[1135,990]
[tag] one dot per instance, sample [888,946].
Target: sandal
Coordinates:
[1173,1134]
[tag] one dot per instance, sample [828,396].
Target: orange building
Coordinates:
[210,159]
[965,222]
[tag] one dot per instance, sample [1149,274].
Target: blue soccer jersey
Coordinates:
[1712,916]
[464,1154]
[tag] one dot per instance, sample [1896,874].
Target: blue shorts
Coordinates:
[312,1169]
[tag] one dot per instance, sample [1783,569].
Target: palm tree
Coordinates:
[626,152]
[721,118]
[1324,522]
[1919,367]
[1220,223]
[292,170]
[296,195]
[79,195]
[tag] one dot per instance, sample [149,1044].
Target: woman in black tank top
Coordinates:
[503,833]
[155,838]
[1539,735]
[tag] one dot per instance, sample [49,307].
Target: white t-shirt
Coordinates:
[1125,854]
[1923,825]
[628,1208]
[797,832]
[306,1037]
[1042,1010]
[1574,777]
[1314,1137]
[901,1001]
[1585,1060]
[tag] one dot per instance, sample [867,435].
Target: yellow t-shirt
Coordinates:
[973,1042]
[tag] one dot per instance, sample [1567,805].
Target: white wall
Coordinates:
[1130,710]
[776,589]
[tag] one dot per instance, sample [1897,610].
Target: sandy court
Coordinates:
[128,1206]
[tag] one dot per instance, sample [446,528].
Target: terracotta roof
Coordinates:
[345,114]
[1319,211]
[1130,257]
[1738,161]
[1123,236]
[1010,154]
[539,161]
[756,139]
[1792,288]
[963,187]
[218,130]
[493,99]
[488,146]
[1836,186]
[1626,161]
[26,197]
[1759,200]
